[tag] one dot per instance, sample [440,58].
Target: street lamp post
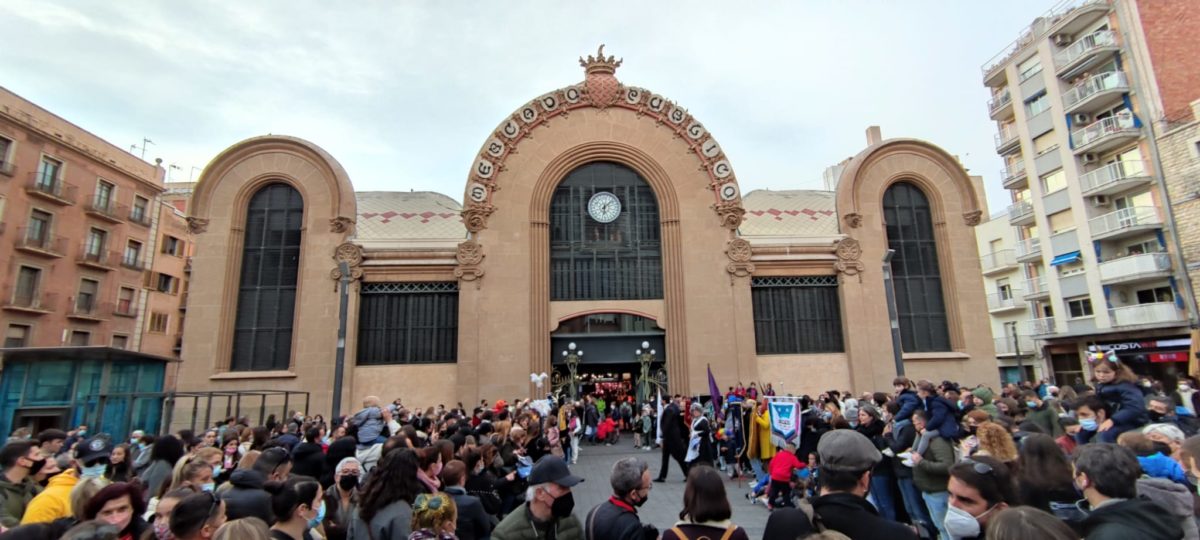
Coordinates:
[645,356]
[572,355]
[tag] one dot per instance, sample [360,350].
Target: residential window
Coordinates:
[408,323]
[140,204]
[1149,246]
[39,227]
[172,245]
[120,341]
[133,254]
[5,146]
[916,274]
[104,194]
[1045,143]
[1004,289]
[28,281]
[796,315]
[1037,105]
[80,338]
[262,332]
[1054,181]
[166,283]
[125,299]
[95,243]
[85,301]
[48,172]
[1079,307]
[1155,295]
[1029,68]
[1061,221]
[158,322]
[1143,199]
[17,335]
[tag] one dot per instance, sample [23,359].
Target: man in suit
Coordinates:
[674,439]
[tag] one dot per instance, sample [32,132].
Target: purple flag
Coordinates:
[714,391]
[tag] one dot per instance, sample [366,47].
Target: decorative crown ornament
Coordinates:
[599,63]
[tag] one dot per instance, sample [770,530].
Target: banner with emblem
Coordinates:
[784,415]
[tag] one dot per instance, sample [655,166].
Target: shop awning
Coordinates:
[1066,258]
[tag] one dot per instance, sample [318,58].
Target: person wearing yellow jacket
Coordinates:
[760,449]
[54,502]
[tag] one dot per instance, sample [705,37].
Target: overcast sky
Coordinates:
[403,94]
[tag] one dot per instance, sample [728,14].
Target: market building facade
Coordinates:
[603,229]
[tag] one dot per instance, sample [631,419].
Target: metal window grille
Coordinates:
[262,337]
[796,315]
[408,323]
[915,272]
[589,260]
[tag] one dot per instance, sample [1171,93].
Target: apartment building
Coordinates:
[1074,98]
[1003,283]
[90,256]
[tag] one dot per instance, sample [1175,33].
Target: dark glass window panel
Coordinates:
[408,323]
[797,315]
[267,294]
[604,261]
[915,272]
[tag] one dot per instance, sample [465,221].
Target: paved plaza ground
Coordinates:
[666,499]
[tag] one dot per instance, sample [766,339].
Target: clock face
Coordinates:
[604,207]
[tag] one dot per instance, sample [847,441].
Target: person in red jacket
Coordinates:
[782,467]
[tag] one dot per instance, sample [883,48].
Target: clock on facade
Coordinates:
[604,207]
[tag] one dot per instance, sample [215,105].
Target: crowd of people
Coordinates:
[1113,459]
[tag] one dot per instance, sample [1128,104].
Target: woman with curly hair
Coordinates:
[434,517]
[996,442]
[385,502]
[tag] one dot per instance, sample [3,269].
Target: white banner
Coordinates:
[784,414]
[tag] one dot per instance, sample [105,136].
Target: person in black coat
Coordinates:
[308,459]
[473,522]
[617,518]
[246,496]
[674,441]
[338,450]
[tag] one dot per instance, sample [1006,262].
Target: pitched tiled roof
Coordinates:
[404,215]
[789,213]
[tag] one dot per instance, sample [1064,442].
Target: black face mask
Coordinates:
[1156,416]
[563,506]
[348,482]
[638,503]
[37,466]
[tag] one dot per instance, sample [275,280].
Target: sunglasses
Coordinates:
[979,466]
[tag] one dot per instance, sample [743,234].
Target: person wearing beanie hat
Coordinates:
[983,400]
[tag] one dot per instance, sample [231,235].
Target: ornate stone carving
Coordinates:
[475,216]
[738,250]
[469,256]
[340,224]
[197,225]
[731,214]
[853,220]
[349,253]
[356,273]
[849,251]
[601,85]
[973,217]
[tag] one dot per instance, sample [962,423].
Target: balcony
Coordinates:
[997,261]
[1086,53]
[1029,250]
[1125,222]
[1115,178]
[1036,288]
[999,303]
[1106,133]
[50,189]
[125,308]
[1134,268]
[1007,346]
[102,260]
[40,243]
[106,210]
[1000,106]
[1020,213]
[183,299]
[30,302]
[1042,327]
[1080,17]
[139,217]
[1015,176]
[89,310]
[1097,93]
[1147,314]
[134,263]
[1007,140]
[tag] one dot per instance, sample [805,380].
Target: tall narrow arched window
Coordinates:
[915,272]
[266,304]
[605,240]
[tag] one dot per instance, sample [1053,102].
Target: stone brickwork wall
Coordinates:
[1180,153]
[1170,30]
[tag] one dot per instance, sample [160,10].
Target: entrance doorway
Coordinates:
[38,420]
[609,354]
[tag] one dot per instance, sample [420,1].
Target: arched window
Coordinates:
[614,251]
[262,338]
[915,272]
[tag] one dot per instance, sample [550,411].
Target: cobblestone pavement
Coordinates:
[666,499]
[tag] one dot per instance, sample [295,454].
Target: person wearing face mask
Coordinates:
[90,461]
[298,507]
[547,510]
[121,506]
[473,523]
[1042,412]
[846,460]
[979,488]
[341,499]
[481,482]
[1092,412]
[20,461]
[1107,475]
[617,518]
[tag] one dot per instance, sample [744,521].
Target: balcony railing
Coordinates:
[1114,175]
[125,309]
[1041,327]
[1005,137]
[1035,287]
[999,101]
[1103,82]
[1133,267]
[1029,247]
[1125,219]
[1019,210]
[1156,313]
[140,217]
[53,188]
[134,263]
[1015,169]
[1083,47]
[40,243]
[89,309]
[99,259]
[1122,123]
[29,301]
[1006,345]
[106,209]
[1000,302]
[997,259]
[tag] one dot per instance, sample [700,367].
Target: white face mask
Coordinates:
[961,524]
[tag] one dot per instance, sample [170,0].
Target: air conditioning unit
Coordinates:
[1088,158]
[1081,118]
[1101,200]
[1062,40]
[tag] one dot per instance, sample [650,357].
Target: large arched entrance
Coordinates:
[610,354]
